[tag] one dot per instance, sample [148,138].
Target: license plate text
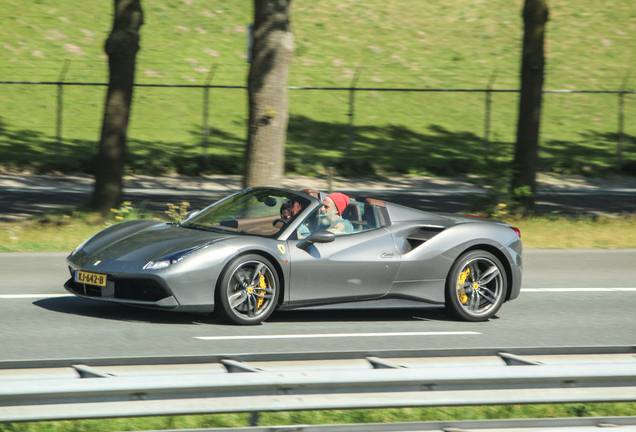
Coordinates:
[90,278]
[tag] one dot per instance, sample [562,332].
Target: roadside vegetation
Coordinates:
[64,230]
[555,232]
[330,417]
[448,44]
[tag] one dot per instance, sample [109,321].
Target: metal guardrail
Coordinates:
[110,388]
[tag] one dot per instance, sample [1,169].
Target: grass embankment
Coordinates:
[64,231]
[330,417]
[450,44]
[549,232]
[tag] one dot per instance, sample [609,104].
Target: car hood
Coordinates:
[150,243]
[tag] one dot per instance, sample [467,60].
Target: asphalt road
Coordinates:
[569,298]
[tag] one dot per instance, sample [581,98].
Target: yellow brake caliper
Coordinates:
[463,298]
[261,284]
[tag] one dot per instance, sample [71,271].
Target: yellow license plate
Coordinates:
[90,278]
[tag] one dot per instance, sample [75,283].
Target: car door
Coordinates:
[355,266]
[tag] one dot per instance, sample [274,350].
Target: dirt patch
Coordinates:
[54,35]
[152,73]
[74,49]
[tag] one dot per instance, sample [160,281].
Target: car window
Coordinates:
[361,215]
[258,211]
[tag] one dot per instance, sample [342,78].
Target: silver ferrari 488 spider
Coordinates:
[264,249]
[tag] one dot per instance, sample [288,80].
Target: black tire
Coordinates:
[476,286]
[246,297]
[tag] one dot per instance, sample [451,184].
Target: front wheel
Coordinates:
[248,290]
[476,286]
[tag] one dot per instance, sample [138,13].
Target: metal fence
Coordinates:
[214,101]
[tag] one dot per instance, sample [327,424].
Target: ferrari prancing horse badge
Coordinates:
[281,248]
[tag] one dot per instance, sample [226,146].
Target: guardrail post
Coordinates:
[491,81]
[352,90]
[254,418]
[60,101]
[206,103]
[621,119]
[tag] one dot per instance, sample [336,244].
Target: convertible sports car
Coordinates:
[245,257]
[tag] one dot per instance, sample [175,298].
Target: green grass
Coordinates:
[330,417]
[63,231]
[549,232]
[405,44]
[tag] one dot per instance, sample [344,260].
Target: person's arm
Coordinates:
[302,231]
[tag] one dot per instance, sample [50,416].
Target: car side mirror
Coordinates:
[321,236]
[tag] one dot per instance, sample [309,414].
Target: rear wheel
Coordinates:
[476,286]
[248,290]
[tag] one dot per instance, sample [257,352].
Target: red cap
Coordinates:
[340,200]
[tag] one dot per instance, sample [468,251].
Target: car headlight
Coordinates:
[172,259]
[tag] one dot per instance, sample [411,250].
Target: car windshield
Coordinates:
[257,211]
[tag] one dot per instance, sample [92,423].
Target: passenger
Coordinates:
[331,214]
[289,209]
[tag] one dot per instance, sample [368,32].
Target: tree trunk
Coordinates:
[523,185]
[272,51]
[121,47]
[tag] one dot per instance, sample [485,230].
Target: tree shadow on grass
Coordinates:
[313,145]
[37,152]
[594,154]
[391,148]
[23,146]
[443,152]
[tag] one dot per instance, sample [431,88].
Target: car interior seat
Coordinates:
[353,214]
[375,213]
[369,216]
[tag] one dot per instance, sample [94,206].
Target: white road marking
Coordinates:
[28,296]
[578,289]
[338,335]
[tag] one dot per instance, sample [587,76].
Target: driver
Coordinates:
[331,214]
